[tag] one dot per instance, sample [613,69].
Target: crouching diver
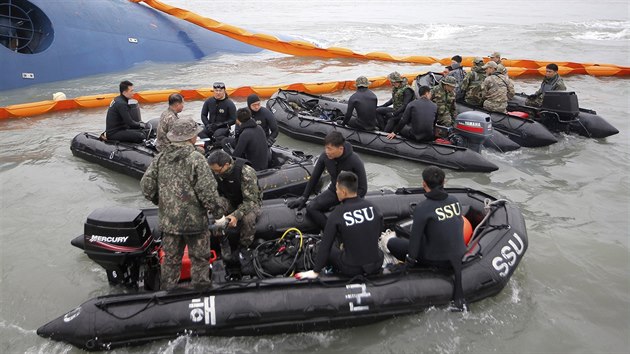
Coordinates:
[436,233]
[358,224]
[240,198]
[337,156]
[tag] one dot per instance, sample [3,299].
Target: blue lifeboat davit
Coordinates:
[50,40]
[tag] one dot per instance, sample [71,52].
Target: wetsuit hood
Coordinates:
[437,193]
[347,151]
[249,124]
[252,99]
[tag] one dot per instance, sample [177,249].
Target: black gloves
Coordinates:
[270,142]
[531,97]
[298,203]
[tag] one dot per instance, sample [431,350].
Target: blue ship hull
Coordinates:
[51,40]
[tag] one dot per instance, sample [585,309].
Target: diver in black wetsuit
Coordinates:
[337,156]
[358,224]
[418,121]
[120,125]
[263,117]
[364,101]
[251,143]
[218,114]
[437,238]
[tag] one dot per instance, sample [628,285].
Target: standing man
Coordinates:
[240,196]
[175,106]
[495,89]
[180,182]
[364,101]
[471,86]
[251,143]
[457,71]
[437,238]
[337,156]
[263,117]
[551,82]
[443,94]
[119,123]
[402,95]
[218,113]
[358,224]
[419,118]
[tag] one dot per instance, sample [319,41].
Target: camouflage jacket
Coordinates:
[398,95]
[252,195]
[180,182]
[551,84]
[472,86]
[495,90]
[166,119]
[446,103]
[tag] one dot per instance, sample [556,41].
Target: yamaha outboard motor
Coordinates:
[121,241]
[472,128]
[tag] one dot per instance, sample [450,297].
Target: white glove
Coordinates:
[307,275]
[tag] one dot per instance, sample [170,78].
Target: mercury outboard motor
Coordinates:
[472,128]
[120,240]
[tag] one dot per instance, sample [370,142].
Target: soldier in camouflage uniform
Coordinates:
[239,193]
[175,106]
[495,89]
[443,95]
[402,95]
[551,82]
[471,86]
[180,182]
[502,70]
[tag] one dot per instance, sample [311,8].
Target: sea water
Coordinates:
[571,292]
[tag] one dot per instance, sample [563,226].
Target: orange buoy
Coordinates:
[468,230]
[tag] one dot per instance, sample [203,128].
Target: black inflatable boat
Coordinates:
[279,305]
[288,177]
[298,116]
[515,125]
[560,112]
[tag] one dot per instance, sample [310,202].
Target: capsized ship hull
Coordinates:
[52,40]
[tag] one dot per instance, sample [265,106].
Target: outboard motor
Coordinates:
[121,241]
[472,128]
[563,103]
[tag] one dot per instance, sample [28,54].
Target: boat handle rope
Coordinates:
[491,207]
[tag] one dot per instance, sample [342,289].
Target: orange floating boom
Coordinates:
[302,48]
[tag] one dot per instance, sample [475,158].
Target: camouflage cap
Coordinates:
[501,69]
[478,61]
[450,81]
[495,54]
[362,81]
[183,129]
[490,64]
[395,77]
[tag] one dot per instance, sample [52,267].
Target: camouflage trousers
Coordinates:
[247,224]
[535,102]
[445,119]
[474,99]
[198,252]
[248,227]
[495,106]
